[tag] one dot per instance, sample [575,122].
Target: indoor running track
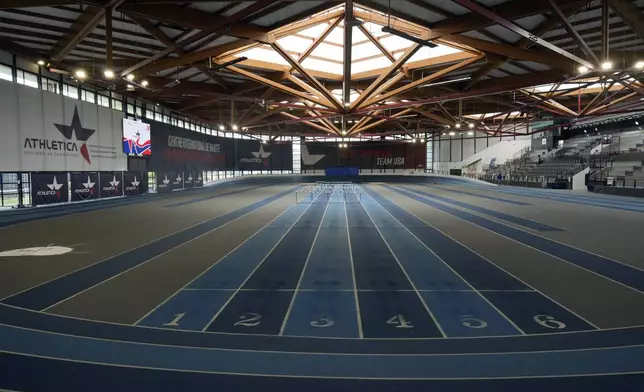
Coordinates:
[400,286]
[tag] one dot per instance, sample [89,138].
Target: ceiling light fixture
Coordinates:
[446,82]
[639,65]
[41,62]
[470,125]
[130,77]
[457,125]
[470,133]
[607,65]
[144,83]
[401,34]
[81,74]
[583,69]
[235,127]
[452,133]
[108,73]
[222,128]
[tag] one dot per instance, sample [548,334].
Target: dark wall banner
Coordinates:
[84,186]
[198,179]
[48,188]
[254,155]
[177,181]
[132,184]
[365,155]
[188,180]
[111,184]
[182,150]
[164,182]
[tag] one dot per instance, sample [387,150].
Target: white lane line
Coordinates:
[353,273]
[299,281]
[497,266]
[453,270]
[411,282]
[221,309]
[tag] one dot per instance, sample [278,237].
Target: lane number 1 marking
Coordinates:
[175,322]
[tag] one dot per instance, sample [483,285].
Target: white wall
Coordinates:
[459,151]
[579,180]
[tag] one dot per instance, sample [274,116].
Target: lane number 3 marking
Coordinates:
[549,321]
[400,321]
[472,322]
[175,321]
[249,320]
[323,322]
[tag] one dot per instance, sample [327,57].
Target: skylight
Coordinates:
[328,55]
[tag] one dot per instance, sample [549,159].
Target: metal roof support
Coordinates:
[556,11]
[475,7]
[346,59]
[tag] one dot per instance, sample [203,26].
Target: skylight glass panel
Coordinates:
[292,43]
[336,36]
[370,65]
[315,31]
[365,50]
[393,42]
[426,52]
[358,36]
[327,51]
[373,28]
[321,65]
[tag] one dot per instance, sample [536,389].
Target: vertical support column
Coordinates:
[605,36]
[108,40]
[348,41]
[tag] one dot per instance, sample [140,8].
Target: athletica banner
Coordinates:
[254,155]
[111,184]
[48,188]
[44,131]
[164,182]
[177,181]
[132,184]
[84,186]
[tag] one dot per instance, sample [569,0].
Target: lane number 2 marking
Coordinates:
[400,321]
[249,320]
[323,322]
[472,322]
[175,321]
[549,321]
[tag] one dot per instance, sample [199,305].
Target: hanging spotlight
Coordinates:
[639,65]
[607,65]
[108,73]
[144,83]
[458,125]
[583,69]
[130,77]
[41,62]
[413,140]
[422,140]
[80,74]
[452,133]
[470,125]
[235,127]
[222,128]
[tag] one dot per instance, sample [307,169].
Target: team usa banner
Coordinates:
[84,186]
[49,188]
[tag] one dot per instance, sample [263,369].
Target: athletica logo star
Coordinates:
[55,186]
[190,178]
[178,178]
[89,184]
[115,183]
[166,181]
[135,182]
[82,134]
[261,153]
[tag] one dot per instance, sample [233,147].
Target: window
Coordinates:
[180,123]
[104,101]
[297,154]
[27,78]
[116,104]
[158,117]
[5,73]
[166,119]
[88,96]
[139,111]
[149,114]
[430,155]
[130,108]
[70,91]
[50,85]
